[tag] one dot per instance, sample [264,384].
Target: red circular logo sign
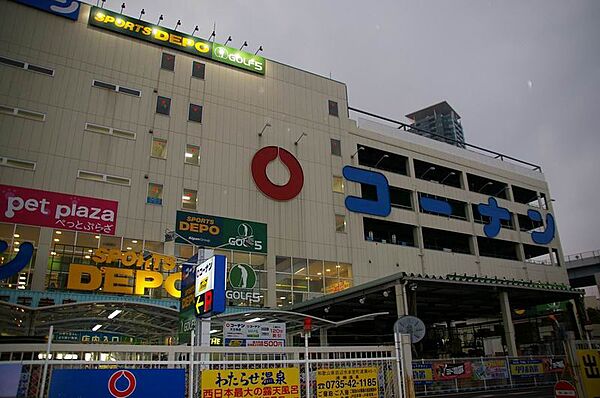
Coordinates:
[564,389]
[112,384]
[261,160]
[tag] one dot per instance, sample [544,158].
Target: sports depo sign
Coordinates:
[57,210]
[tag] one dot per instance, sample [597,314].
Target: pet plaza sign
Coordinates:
[162,36]
[136,274]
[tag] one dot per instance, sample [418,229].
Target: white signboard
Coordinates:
[243,334]
[205,279]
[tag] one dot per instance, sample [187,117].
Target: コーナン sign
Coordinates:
[57,210]
[162,36]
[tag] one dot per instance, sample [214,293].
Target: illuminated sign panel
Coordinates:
[209,290]
[136,274]
[162,36]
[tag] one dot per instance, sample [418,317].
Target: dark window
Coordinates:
[399,197]
[458,209]
[12,62]
[487,186]
[526,224]
[436,173]
[382,160]
[163,105]
[336,147]
[481,219]
[108,86]
[167,62]
[333,108]
[447,241]
[526,196]
[40,69]
[497,248]
[195,113]
[198,69]
[388,232]
[536,254]
[130,91]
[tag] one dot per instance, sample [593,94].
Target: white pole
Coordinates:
[191,370]
[45,371]
[400,363]
[306,365]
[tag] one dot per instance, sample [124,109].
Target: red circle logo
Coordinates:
[261,160]
[112,384]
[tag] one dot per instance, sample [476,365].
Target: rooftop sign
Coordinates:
[165,37]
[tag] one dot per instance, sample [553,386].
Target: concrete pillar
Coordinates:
[509,328]
[407,365]
[323,337]
[401,302]
[597,278]
[203,332]
[40,267]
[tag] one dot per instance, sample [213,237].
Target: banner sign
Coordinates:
[57,210]
[209,291]
[554,365]
[165,37]
[85,336]
[589,365]
[242,334]
[526,367]
[490,369]
[131,383]
[422,373]
[451,371]
[64,8]
[226,233]
[348,382]
[250,383]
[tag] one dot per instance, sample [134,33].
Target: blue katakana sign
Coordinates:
[381,206]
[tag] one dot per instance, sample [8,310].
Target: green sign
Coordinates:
[242,276]
[226,233]
[162,36]
[241,59]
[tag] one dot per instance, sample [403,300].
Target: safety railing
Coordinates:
[583,255]
[459,375]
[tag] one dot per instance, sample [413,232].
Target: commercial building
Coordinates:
[441,121]
[114,131]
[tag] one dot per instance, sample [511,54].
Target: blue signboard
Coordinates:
[64,8]
[118,383]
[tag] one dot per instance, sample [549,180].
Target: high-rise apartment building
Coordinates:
[442,121]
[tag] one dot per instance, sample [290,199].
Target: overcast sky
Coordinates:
[524,75]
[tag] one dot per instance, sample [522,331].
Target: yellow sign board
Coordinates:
[348,383]
[589,365]
[264,383]
[136,274]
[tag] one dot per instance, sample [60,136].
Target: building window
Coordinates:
[155,192]
[188,199]
[192,154]
[340,223]
[333,108]
[198,69]
[24,113]
[159,148]
[195,113]
[110,179]
[338,184]
[163,105]
[167,62]
[336,147]
[17,163]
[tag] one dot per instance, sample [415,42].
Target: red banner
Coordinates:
[57,210]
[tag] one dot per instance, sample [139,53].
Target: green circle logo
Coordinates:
[242,276]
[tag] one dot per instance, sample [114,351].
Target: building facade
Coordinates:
[172,140]
[442,121]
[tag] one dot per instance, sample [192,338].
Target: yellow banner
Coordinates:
[249,383]
[589,365]
[347,383]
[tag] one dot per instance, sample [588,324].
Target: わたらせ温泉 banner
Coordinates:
[165,37]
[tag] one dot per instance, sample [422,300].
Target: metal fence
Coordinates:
[433,377]
[38,362]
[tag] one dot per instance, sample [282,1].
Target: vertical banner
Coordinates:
[209,292]
[589,365]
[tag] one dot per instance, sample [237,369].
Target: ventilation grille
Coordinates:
[26,66]
[92,176]
[96,128]
[24,113]
[117,88]
[17,163]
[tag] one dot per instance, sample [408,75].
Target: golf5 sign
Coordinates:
[214,231]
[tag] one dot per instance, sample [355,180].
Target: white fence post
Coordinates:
[191,367]
[306,365]
[45,371]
